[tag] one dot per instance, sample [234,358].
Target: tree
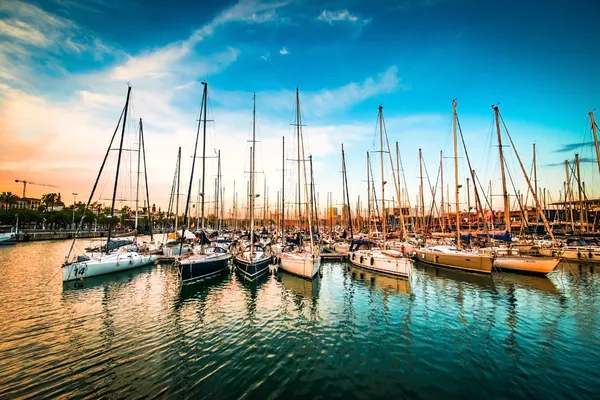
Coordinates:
[7,198]
[48,200]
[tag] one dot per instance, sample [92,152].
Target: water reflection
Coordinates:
[349,333]
[385,283]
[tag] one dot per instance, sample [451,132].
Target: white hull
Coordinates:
[7,239]
[171,251]
[301,264]
[379,261]
[106,264]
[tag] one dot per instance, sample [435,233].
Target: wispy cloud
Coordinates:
[284,51]
[265,57]
[340,15]
[582,160]
[573,146]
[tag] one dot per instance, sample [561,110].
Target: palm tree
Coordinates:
[49,199]
[8,198]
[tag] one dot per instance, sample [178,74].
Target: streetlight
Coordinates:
[74,197]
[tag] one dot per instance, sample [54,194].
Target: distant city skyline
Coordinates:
[65,66]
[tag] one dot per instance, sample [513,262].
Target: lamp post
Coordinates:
[74,197]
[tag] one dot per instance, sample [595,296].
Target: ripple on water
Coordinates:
[348,334]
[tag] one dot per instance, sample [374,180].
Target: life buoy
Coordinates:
[361,259]
[372,261]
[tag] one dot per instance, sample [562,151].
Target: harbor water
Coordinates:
[349,334]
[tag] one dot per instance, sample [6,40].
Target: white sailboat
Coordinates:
[108,261]
[367,254]
[254,260]
[303,260]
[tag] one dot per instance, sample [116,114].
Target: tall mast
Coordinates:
[218,190]
[458,243]
[298,138]
[595,134]
[252,191]
[504,192]
[421,198]
[469,202]
[203,155]
[283,190]
[442,222]
[343,187]
[383,216]
[535,181]
[537,202]
[569,195]
[347,193]
[178,182]
[146,180]
[368,193]
[112,206]
[189,194]
[311,209]
[581,214]
[137,186]
[400,200]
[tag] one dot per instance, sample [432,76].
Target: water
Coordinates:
[444,334]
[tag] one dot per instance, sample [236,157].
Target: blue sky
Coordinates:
[65,66]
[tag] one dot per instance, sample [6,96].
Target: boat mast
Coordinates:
[442,222]
[178,182]
[189,193]
[146,179]
[283,191]
[311,208]
[468,201]
[383,217]
[298,138]
[343,188]
[581,214]
[595,134]
[368,195]
[504,192]
[347,193]
[112,206]
[458,243]
[570,195]
[137,186]
[252,151]
[537,202]
[421,197]
[203,156]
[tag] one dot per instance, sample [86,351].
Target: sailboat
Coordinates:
[254,260]
[367,254]
[108,260]
[342,247]
[303,261]
[205,261]
[507,260]
[173,245]
[454,256]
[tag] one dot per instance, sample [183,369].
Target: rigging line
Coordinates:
[95,184]
[432,191]
[517,196]
[469,160]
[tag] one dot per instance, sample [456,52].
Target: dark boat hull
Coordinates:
[251,270]
[193,271]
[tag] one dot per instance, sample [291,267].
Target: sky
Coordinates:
[65,66]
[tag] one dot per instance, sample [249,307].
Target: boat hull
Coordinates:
[106,264]
[251,269]
[196,268]
[303,264]
[466,262]
[171,251]
[526,265]
[378,262]
[573,254]
[8,240]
